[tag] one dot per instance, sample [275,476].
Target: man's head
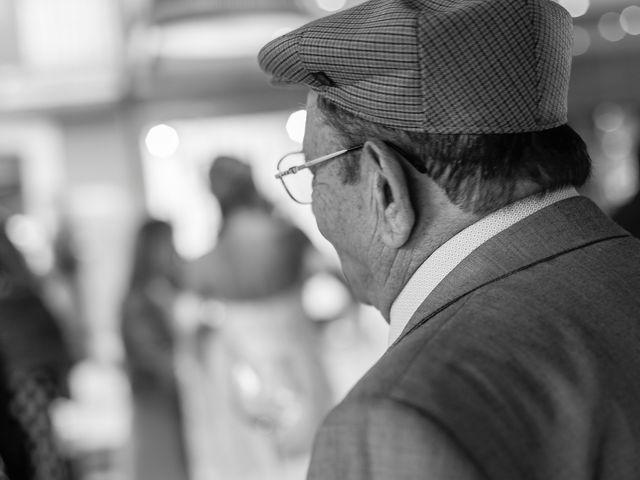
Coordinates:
[460,105]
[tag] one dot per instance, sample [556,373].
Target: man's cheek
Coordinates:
[323,221]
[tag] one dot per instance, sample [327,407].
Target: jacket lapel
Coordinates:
[564,226]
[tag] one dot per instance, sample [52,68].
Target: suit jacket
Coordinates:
[524,363]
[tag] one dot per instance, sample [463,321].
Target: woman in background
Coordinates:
[148,337]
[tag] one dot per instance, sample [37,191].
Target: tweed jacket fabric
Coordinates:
[439,66]
[524,363]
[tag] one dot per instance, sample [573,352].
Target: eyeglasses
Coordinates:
[299,187]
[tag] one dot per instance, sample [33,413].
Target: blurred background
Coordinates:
[112,112]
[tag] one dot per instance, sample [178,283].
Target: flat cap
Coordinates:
[438,66]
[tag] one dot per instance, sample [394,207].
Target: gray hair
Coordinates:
[478,172]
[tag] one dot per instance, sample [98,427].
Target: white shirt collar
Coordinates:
[441,262]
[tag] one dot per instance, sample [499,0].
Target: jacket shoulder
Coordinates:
[380,438]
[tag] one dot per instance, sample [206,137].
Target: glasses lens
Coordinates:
[299,183]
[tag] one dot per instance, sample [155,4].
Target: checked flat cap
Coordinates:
[439,66]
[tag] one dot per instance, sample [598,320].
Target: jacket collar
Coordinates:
[564,226]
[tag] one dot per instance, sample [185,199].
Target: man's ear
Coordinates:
[390,193]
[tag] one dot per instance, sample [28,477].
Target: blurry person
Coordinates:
[62,289]
[628,215]
[15,462]
[37,360]
[148,336]
[269,389]
[259,252]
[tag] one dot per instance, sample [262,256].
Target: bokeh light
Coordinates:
[608,116]
[162,141]
[295,125]
[581,40]
[331,5]
[247,379]
[576,8]
[619,183]
[630,20]
[24,232]
[324,297]
[610,28]
[29,236]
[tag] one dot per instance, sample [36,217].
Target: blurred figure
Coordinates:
[14,447]
[37,361]
[62,290]
[628,215]
[148,336]
[258,253]
[268,389]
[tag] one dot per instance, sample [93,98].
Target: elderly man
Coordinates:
[444,174]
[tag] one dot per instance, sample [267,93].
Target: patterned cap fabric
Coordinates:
[438,66]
